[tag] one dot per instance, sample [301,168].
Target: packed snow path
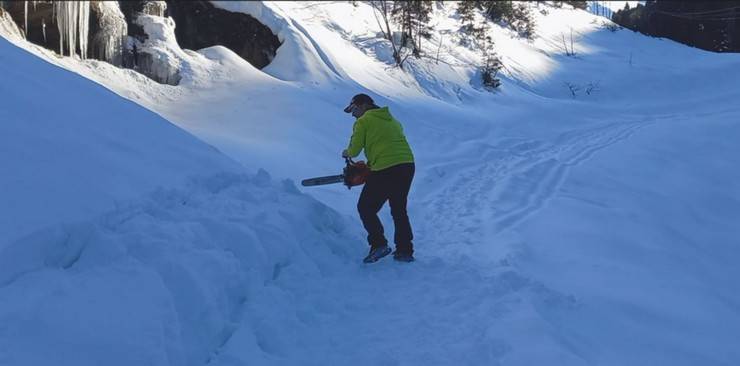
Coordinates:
[477,295]
[449,308]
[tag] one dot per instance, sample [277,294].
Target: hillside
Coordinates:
[551,228]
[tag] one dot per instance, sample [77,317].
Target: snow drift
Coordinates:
[71,148]
[124,240]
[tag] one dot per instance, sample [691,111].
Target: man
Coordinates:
[392,170]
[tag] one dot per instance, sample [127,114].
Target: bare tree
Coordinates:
[574,88]
[569,51]
[383,10]
[592,87]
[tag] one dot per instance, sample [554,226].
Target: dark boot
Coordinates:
[403,256]
[376,253]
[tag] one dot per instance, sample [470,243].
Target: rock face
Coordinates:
[42,27]
[709,25]
[140,34]
[201,25]
[132,9]
[107,28]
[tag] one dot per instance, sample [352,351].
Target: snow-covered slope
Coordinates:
[127,241]
[595,229]
[72,148]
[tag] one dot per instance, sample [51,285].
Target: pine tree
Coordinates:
[499,11]
[515,14]
[522,21]
[413,17]
[467,10]
[491,63]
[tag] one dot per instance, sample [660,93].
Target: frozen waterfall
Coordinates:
[107,43]
[73,19]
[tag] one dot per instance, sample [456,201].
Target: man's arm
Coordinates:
[357,141]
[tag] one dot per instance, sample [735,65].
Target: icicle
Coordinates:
[84,27]
[55,13]
[73,19]
[25,18]
[43,28]
[72,29]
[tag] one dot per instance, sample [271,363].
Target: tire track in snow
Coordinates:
[514,183]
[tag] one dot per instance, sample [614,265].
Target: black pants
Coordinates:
[392,185]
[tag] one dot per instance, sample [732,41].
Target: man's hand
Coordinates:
[345,153]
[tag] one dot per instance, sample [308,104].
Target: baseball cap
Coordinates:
[357,100]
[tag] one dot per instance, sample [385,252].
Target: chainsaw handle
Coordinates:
[348,160]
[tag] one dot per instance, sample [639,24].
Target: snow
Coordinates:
[8,28]
[77,154]
[168,279]
[297,58]
[159,55]
[595,229]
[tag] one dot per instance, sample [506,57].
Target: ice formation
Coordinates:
[25,15]
[157,8]
[159,57]
[107,43]
[73,19]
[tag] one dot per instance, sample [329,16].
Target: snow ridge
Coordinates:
[179,267]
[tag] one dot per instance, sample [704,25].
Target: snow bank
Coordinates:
[297,58]
[72,149]
[124,240]
[164,280]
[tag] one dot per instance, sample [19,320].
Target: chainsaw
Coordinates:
[355,173]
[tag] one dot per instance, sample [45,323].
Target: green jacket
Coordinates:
[382,137]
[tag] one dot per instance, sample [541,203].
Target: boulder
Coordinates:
[201,25]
